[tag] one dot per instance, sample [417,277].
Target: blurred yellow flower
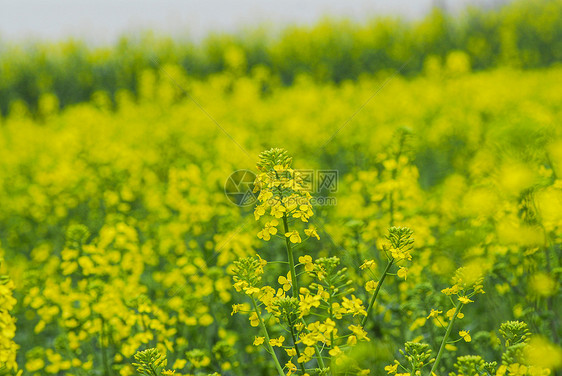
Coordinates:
[311,232]
[434,313]
[258,340]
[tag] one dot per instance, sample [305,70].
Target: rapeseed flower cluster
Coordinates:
[323,316]
[121,239]
[8,347]
[281,193]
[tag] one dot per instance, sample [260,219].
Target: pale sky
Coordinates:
[103,21]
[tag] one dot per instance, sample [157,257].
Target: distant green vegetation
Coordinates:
[523,34]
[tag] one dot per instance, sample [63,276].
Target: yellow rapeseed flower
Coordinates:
[358,331]
[291,368]
[402,272]
[335,351]
[285,281]
[277,341]
[306,260]
[465,300]
[293,236]
[311,232]
[258,340]
[268,230]
[434,313]
[367,264]
[291,351]
[254,320]
[465,334]
[450,313]
[371,285]
[391,368]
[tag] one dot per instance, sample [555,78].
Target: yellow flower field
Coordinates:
[233,225]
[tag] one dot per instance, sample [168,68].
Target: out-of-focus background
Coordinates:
[105,21]
[75,48]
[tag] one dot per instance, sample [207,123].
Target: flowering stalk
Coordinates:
[291,259]
[400,239]
[267,339]
[376,293]
[446,337]
[332,342]
[281,192]
[316,349]
[294,337]
[294,284]
[295,287]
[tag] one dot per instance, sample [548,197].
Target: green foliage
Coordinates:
[43,77]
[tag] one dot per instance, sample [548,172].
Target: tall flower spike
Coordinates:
[282,194]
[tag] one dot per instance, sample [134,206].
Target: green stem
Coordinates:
[331,312]
[295,345]
[103,348]
[266,335]
[376,293]
[445,338]
[294,282]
